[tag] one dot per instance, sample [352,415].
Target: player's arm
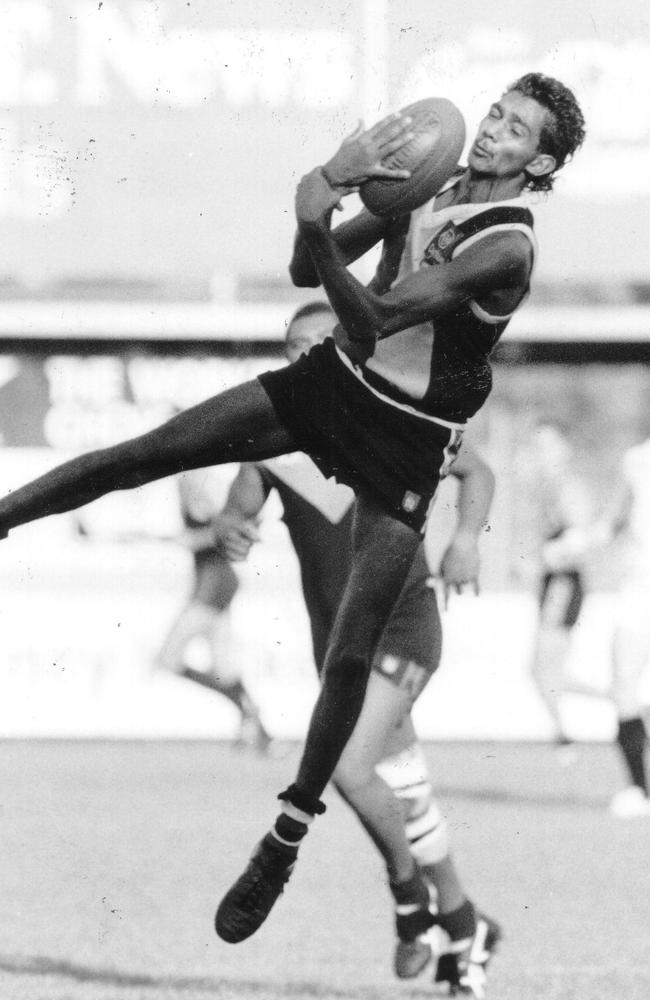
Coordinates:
[353,238]
[579,535]
[358,159]
[234,530]
[497,262]
[460,562]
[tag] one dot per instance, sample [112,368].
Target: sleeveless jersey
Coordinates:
[442,367]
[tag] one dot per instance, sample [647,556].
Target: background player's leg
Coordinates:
[631,654]
[405,771]
[194,621]
[552,646]
[238,425]
[361,786]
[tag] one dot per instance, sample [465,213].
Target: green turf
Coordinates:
[115,855]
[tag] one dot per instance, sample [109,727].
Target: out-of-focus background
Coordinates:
[148,158]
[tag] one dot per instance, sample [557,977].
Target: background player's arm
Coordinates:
[234,530]
[575,510]
[459,565]
[497,262]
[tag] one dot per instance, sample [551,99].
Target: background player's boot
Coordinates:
[464,959]
[413,920]
[249,901]
[629,803]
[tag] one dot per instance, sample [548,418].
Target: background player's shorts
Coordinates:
[560,598]
[409,649]
[388,455]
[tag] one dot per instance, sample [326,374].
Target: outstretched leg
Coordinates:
[239,425]
[383,550]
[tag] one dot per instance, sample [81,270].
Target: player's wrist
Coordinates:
[329,176]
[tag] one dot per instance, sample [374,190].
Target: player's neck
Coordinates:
[479,188]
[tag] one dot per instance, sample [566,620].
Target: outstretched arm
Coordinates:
[234,530]
[459,565]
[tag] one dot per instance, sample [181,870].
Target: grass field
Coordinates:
[114,856]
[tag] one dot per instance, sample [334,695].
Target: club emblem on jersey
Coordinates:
[438,250]
[410,501]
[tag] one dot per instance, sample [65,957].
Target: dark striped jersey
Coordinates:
[442,367]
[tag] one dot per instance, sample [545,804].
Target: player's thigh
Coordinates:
[384,708]
[383,551]
[237,425]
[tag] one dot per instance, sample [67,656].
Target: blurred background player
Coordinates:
[202,629]
[563,510]
[631,639]
[382,774]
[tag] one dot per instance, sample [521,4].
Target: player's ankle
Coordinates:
[459,923]
[298,813]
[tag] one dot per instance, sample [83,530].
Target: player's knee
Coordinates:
[351,781]
[345,672]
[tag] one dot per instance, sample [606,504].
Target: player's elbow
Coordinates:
[303,277]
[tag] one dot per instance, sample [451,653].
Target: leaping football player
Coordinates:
[381,407]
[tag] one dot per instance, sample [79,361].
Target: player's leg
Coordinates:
[383,550]
[361,782]
[466,938]
[404,769]
[194,621]
[631,655]
[206,618]
[552,646]
[238,425]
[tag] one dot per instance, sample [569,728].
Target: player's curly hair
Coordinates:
[564,130]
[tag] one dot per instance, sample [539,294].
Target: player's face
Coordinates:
[507,140]
[303,334]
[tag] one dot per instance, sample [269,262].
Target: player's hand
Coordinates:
[234,538]
[315,197]
[361,154]
[459,566]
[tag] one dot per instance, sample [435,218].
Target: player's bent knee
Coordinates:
[346,672]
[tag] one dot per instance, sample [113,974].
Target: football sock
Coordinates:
[291,825]
[460,923]
[632,739]
[412,913]
[412,891]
